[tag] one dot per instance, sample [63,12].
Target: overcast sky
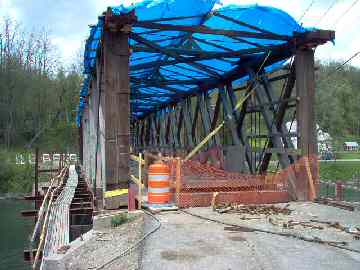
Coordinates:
[68,20]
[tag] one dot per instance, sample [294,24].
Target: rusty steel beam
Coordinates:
[82,210]
[33,198]
[239,116]
[29,213]
[280,114]
[81,204]
[188,118]
[83,199]
[216,113]
[48,170]
[206,120]
[30,255]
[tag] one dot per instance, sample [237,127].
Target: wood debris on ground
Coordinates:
[266,210]
[334,203]
[306,224]
[252,212]
[314,224]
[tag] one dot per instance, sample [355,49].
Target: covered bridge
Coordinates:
[162,75]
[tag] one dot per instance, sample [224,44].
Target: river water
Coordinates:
[14,234]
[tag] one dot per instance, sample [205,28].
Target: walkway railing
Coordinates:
[58,233]
[43,215]
[53,226]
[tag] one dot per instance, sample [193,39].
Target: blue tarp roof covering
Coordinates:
[171,62]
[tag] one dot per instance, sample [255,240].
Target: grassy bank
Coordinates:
[347,155]
[339,170]
[14,178]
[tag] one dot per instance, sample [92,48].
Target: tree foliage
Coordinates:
[37,97]
[338,99]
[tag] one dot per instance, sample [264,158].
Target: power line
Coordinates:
[327,11]
[348,60]
[342,15]
[306,10]
[341,65]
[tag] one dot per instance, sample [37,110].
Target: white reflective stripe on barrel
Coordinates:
[154,177]
[158,190]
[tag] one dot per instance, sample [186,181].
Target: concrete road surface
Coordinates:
[187,242]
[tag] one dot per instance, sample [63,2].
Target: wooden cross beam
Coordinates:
[155,46]
[207,30]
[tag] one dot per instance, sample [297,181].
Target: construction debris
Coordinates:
[310,224]
[335,225]
[270,211]
[338,204]
[238,229]
[266,210]
[351,230]
[291,224]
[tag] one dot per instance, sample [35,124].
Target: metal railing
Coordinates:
[41,225]
[349,192]
[58,233]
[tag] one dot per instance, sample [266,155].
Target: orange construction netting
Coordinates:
[200,184]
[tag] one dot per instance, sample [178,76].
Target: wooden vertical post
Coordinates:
[117,104]
[99,182]
[312,191]
[60,162]
[81,144]
[140,182]
[36,184]
[305,114]
[178,180]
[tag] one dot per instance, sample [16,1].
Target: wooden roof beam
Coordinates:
[201,29]
[155,46]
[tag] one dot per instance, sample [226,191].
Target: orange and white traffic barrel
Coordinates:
[158,183]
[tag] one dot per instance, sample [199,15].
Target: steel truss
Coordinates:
[258,128]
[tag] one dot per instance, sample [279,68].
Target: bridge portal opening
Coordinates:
[218,87]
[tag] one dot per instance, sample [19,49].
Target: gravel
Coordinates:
[106,245]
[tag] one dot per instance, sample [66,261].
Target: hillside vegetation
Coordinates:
[38,96]
[338,101]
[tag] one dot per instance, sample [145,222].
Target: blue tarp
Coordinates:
[147,97]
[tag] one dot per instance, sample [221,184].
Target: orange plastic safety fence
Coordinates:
[199,183]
